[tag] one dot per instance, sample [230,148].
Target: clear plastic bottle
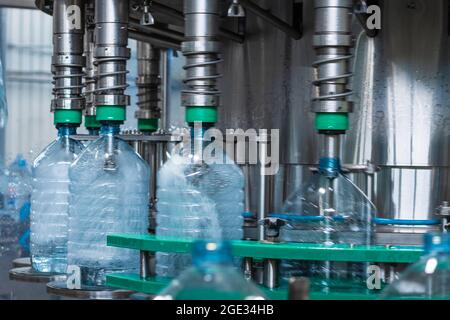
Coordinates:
[327,210]
[50,202]
[427,279]
[20,184]
[197,199]
[8,224]
[212,277]
[17,201]
[109,194]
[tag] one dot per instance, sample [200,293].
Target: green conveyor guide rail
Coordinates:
[263,250]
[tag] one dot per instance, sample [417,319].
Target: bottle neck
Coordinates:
[208,255]
[329,162]
[437,243]
[65,131]
[198,142]
[110,129]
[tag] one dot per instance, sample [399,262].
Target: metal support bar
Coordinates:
[248,268]
[23,4]
[157,30]
[271,267]
[155,40]
[144,264]
[275,21]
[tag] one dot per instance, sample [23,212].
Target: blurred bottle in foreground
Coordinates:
[212,277]
[427,279]
[15,191]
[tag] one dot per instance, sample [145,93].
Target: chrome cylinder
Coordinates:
[331,146]
[68,60]
[332,42]
[271,275]
[111,52]
[148,81]
[201,49]
[91,69]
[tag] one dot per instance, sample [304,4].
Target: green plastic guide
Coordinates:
[264,250]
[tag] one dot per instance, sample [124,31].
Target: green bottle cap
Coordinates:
[67,116]
[111,113]
[201,114]
[332,121]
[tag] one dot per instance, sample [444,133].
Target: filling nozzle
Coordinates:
[329,162]
[198,143]
[109,132]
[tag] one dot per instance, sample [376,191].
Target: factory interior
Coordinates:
[225,150]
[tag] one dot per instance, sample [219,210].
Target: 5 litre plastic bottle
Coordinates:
[197,199]
[50,202]
[16,202]
[109,194]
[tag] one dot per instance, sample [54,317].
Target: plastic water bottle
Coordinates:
[212,277]
[8,223]
[427,279]
[16,201]
[109,194]
[197,200]
[15,188]
[50,202]
[327,211]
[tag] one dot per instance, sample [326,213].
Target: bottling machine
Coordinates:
[358,87]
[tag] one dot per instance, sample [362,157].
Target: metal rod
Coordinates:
[27,4]
[248,268]
[331,146]
[271,273]
[155,40]
[262,212]
[150,30]
[144,264]
[247,191]
[164,88]
[154,168]
[275,21]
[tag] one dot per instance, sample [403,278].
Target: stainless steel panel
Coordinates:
[402,113]
[401,88]
[411,193]
[267,82]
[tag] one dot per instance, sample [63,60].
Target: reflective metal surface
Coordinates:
[401,89]
[59,288]
[21,262]
[27,274]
